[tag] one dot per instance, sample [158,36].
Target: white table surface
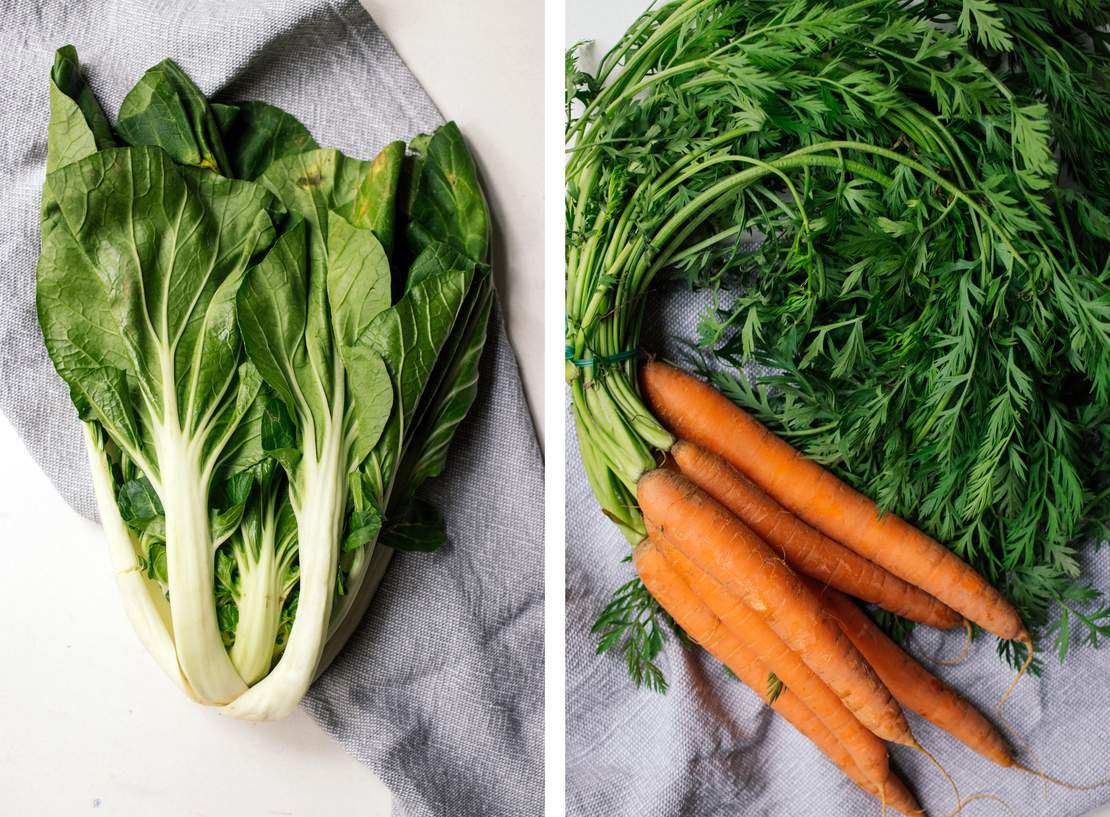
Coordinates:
[603,23]
[87,723]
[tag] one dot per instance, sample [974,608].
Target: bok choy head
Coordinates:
[271,345]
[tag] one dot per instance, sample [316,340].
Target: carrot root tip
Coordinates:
[943,771]
[964,653]
[1047,778]
[1024,639]
[979,796]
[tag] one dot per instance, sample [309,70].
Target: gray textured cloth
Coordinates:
[710,747]
[440,691]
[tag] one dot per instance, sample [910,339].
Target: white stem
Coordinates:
[356,603]
[190,569]
[143,602]
[323,490]
[259,602]
[369,564]
[360,565]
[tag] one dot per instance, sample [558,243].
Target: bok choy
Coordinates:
[270,345]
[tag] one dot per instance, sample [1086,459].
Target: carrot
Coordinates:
[759,642]
[699,622]
[806,550]
[697,412]
[913,685]
[926,695]
[726,549]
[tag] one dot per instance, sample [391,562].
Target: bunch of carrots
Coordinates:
[753,550]
[876,181]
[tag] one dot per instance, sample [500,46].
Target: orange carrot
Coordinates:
[760,643]
[918,690]
[806,550]
[698,621]
[726,549]
[913,686]
[697,412]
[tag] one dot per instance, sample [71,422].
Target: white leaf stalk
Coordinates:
[190,557]
[318,495]
[145,606]
[356,603]
[263,586]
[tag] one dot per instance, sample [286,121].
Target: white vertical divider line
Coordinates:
[555,417]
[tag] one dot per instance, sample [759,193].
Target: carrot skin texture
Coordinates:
[726,549]
[805,549]
[698,621]
[760,643]
[699,413]
[914,686]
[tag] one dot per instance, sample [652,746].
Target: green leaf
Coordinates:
[436,257]
[632,626]
[272,315]
[775,688]
[156,560]
[316,182]
[140,507]
[225,116]
[409,337]
[358,279]
[66,76]
[82,336]
[228,617]
[103,394]
[364,520]
[363,528]
[411,172]
[1032,135]
[313,185]
[244,422]
[895,229]
[168,110]
[448,204]
[257,134]
[279,437]
[448,404]
[375,203]
[78,328]
[77,127]
[278,431]
[235,492]
[371,392]
[982,19]
[323,285]
[419,527]
[359,285]
[140,264]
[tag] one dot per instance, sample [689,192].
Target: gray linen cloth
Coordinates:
[440,691]
[710,747]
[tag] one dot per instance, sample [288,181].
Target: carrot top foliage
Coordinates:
[928,189]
